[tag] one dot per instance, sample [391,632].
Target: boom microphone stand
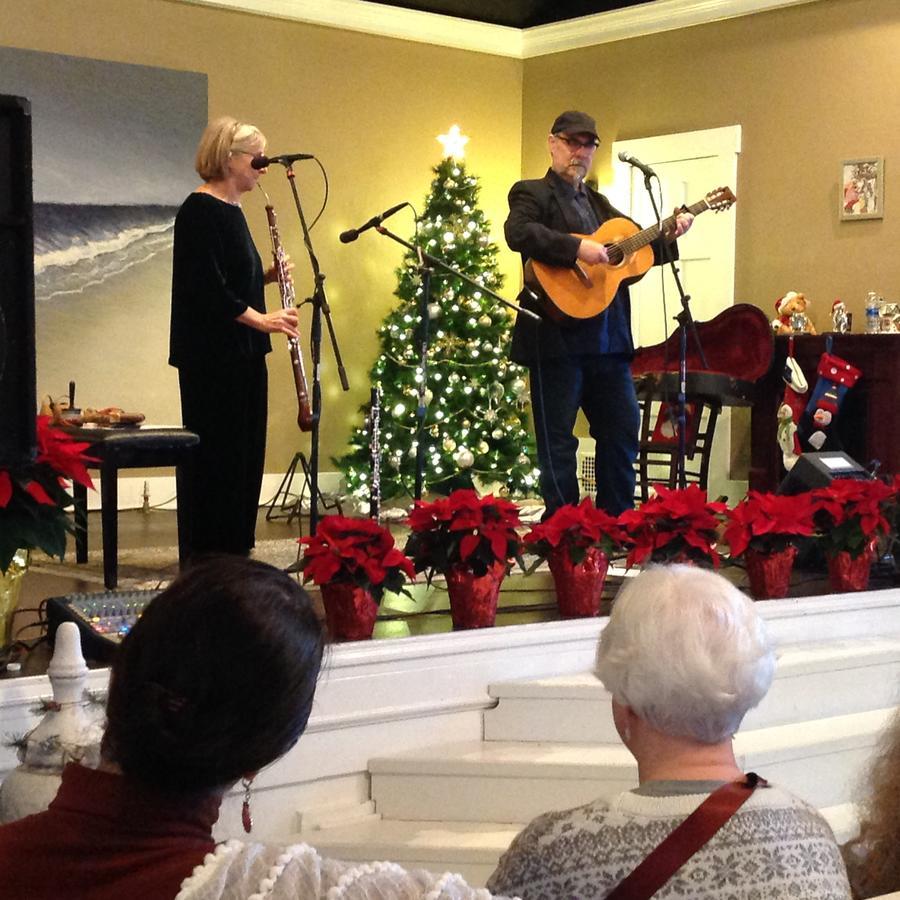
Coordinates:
[320,308]
[685,320]
[427,263]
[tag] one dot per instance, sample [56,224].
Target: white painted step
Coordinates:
[813,680]
[470,848]
[821,761]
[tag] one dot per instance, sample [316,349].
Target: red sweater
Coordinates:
[105,838]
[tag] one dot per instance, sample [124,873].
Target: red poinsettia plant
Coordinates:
[34,495]
[463,530]
[577,528]
[355,551]
[851,513]
[675,525]
[768,523]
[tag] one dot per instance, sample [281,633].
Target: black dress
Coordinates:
[216,275]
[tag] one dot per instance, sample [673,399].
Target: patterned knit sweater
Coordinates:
[775,847]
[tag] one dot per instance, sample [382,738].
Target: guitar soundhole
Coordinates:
[615,254]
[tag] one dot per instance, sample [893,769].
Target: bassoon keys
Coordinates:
[288,301]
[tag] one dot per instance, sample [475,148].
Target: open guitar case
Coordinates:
[738,345]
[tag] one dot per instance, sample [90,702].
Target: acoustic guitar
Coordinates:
[584,289]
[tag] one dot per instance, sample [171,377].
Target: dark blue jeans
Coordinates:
[602,387]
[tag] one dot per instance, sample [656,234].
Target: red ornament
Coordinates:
[350,611]
[473,598]
[770,573]
[578,587]
[246,818]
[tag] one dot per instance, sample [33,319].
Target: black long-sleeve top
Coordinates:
[216,275]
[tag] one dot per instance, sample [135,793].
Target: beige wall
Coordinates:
[810,86]
[369,107]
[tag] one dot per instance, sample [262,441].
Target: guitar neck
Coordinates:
[648,235]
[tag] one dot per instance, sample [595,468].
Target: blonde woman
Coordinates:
[219,338]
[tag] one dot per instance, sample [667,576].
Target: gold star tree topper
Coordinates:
[454,142]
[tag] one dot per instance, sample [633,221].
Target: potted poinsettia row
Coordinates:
[472,541]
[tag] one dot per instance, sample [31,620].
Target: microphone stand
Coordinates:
[426,266]
[320,308]
[684,320]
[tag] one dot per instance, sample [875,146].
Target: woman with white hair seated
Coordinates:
[685,655]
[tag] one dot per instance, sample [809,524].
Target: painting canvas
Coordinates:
[113,160]
[862,188]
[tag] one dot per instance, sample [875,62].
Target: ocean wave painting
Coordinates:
[113,159]
[79,246]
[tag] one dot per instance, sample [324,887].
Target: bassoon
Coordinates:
[288,301]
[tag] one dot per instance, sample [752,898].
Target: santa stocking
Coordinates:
[836,377]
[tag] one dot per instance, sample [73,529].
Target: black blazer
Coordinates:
[540,226]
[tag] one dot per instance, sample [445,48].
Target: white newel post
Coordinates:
[70,731]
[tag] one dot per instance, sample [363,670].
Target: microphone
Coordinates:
[260,162]
[626,157]
[347,237]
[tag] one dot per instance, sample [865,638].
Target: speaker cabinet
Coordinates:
[817,470]
[17,353]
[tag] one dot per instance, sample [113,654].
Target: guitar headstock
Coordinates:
[720,199]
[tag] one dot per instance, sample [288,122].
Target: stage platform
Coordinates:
[434,750]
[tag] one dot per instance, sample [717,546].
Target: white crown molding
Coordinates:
[498,40]
[387,21]
[648,18]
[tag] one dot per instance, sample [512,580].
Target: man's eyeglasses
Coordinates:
[576,144]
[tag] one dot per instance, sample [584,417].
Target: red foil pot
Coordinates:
[770,573]
[847,574]
[578,588]
[473,598]
[350,611]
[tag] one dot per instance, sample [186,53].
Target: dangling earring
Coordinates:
[246,818]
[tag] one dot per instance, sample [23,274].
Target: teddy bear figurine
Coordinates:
[792,317]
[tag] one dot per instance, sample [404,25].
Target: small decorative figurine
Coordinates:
[792,315]
[840,318]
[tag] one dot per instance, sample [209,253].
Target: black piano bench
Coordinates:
[115,449]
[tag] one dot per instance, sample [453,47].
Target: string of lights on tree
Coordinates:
[476,429]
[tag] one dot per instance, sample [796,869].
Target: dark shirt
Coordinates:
[105,838]
[544,214]
[216,275]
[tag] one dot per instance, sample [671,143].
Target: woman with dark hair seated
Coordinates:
[685,656]
[214,682]
[873,857]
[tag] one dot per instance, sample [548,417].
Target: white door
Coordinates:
[689,166]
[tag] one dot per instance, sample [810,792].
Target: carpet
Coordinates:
[142,568]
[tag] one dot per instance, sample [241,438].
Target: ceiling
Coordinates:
[515,13]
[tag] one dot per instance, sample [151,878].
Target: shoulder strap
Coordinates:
[670,855]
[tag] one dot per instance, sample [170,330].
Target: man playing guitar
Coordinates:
[581,363]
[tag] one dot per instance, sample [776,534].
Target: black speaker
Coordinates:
[17,372]
[816,470]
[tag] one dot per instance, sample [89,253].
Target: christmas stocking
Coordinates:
[836,377]
[791,409]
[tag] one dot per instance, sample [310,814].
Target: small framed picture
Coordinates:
[862,188]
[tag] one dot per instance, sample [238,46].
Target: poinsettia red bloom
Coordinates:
[767,523]
[57,449]
[6,489]
[851,513]
[676,524]
[463,529]
[576,528]
[359,551]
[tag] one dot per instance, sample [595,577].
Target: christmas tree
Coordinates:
[476,431]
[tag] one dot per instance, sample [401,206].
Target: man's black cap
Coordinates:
[574,122]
